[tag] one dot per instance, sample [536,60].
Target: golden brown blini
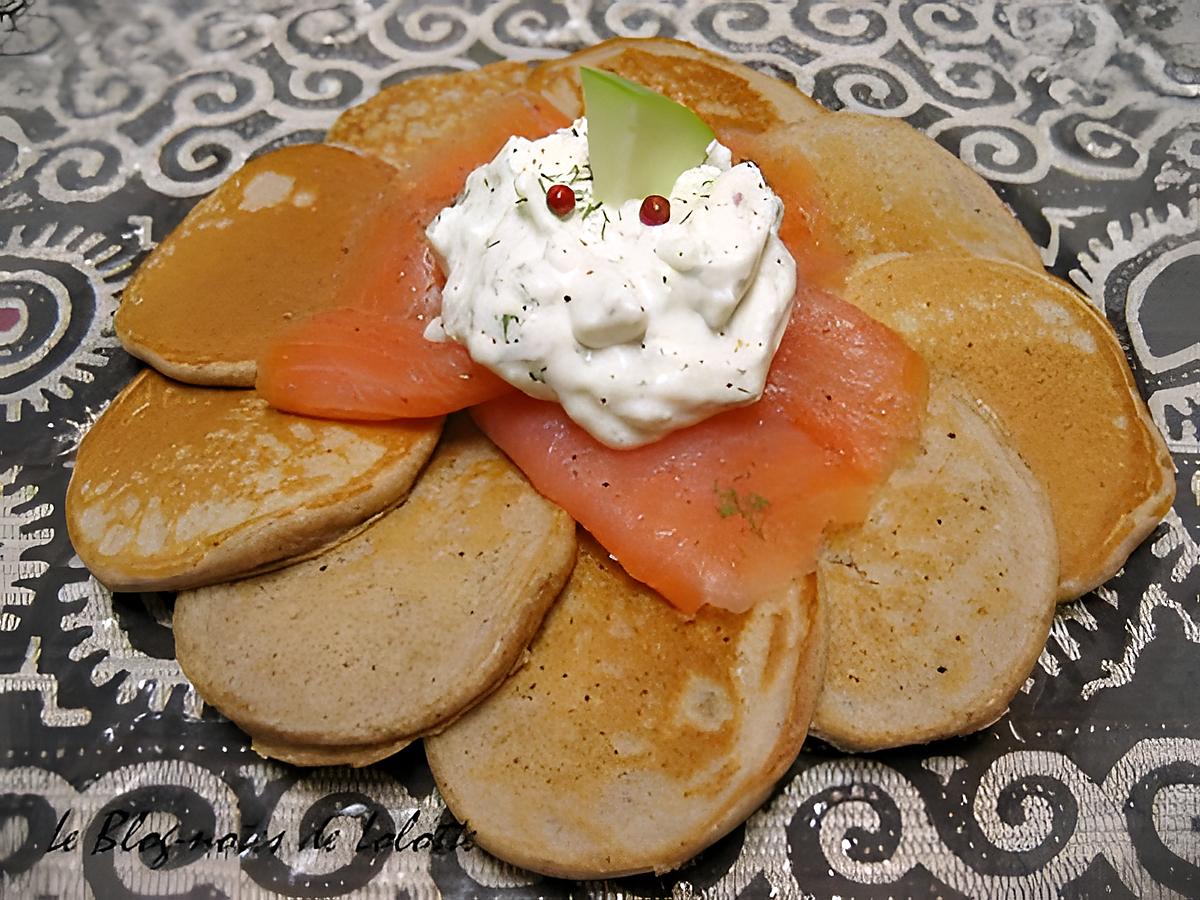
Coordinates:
[353,755]
[262,251]
[940,603]
[726,94]
[1041,358]
[883,187]
[394,632]
[398,123]
[634,736]
[177,486]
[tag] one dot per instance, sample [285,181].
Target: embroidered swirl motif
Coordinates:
[104,142]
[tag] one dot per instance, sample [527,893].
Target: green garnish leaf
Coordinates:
[639,141]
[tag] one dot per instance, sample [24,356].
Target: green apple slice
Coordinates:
[639,141]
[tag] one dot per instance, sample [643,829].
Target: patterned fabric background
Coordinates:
[115,116]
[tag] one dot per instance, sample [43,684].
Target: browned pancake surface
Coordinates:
[726,94]
[398,122]
[176,486]
[260,252]
[633,736]
[940,603]
[1050,368]
[886,188]
[353,755]
[398,629]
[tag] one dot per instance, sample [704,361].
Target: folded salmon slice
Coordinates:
[732,510]
[360,364]
[367,357]
[849,381]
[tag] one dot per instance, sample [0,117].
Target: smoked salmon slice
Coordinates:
[732,510]
[356,363]
[849,381]
[367,357]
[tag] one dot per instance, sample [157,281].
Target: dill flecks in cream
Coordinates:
[636,330]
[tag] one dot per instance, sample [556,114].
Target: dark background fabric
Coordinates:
[116,116]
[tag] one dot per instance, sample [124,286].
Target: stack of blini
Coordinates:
[347,588]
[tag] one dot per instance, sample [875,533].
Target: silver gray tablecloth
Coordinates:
[116,116]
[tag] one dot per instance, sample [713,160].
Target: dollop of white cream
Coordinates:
[636,330]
